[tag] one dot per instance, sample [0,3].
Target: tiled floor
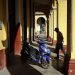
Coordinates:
[29,68]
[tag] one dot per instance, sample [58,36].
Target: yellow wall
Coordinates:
[55,18]
[3,19]
[62,18]
[73,30]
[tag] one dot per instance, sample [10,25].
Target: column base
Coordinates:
[71,70]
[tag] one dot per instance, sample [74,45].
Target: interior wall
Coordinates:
[62,18]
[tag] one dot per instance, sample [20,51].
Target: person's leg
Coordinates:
[57,51]
[62,49]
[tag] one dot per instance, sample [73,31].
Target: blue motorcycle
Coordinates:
[40,55]
[44,54]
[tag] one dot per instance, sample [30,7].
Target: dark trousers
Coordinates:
[58,47]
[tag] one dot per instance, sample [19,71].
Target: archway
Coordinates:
[41,24]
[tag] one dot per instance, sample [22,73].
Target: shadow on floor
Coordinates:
[58,65]
[20,68]
[62,65]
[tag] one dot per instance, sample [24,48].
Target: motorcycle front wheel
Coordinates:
[45,64]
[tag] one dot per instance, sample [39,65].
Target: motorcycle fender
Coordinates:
[46,58]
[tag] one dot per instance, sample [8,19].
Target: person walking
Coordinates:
[59,44]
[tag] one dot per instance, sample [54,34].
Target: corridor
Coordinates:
[28,21]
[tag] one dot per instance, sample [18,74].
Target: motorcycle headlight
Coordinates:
[45,50]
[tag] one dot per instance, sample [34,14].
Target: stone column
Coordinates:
[71,70]
[47,26]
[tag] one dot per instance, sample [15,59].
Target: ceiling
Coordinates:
[44,2]
[42,6]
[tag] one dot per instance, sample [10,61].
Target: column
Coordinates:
[47,26]
[50,24]
[55,9]
[28,19]
[71,70]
